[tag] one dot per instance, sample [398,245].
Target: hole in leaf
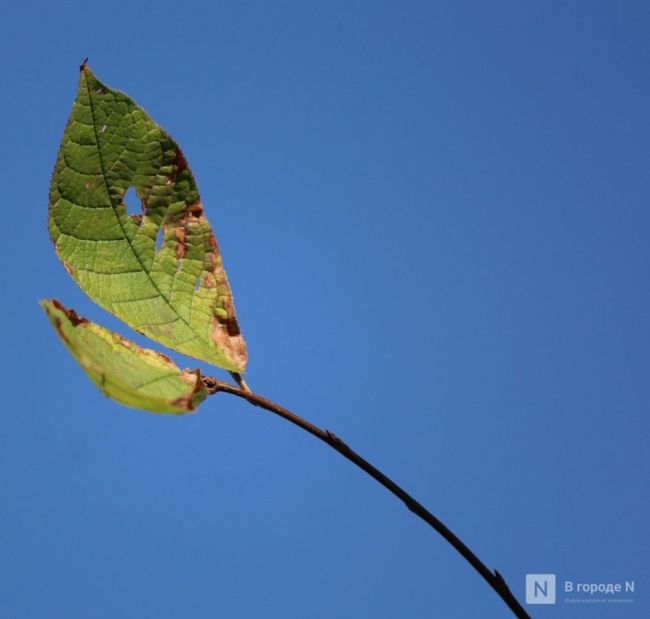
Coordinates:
[160,237]
[197,283]
[132,202]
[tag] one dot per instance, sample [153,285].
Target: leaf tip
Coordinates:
[70,314]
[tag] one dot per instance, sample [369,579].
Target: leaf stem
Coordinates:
[239,379]
[494,579]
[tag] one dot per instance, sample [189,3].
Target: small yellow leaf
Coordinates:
[131,375]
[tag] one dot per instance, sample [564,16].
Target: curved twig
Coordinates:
[494,579]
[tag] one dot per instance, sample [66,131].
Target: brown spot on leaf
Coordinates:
[194,379]
[68,268]
[72,316]
[180,163]
[211,260]
[137,219]
[210,263]
[180,234]
[59,329]
[88,184]
[195,209]
[165,358]
[225,334]
[191,377]
[118,339]
[230,322]
[232,326]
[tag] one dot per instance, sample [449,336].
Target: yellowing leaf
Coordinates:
[176,294]
[131,375]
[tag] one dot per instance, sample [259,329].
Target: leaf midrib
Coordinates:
[119,221]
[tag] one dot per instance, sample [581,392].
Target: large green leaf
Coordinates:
[133,376]
[176,293]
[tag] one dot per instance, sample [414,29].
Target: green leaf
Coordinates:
[133,376]
[176,294]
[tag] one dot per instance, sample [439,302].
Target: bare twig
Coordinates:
[494,579]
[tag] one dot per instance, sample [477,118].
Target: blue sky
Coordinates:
[434,218]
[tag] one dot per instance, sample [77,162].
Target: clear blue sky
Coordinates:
[435,221]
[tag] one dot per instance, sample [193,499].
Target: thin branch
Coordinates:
[494,579]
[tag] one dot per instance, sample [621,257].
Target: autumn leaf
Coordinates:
[134,376]
[160,271]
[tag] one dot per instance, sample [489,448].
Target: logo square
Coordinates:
[540,588]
